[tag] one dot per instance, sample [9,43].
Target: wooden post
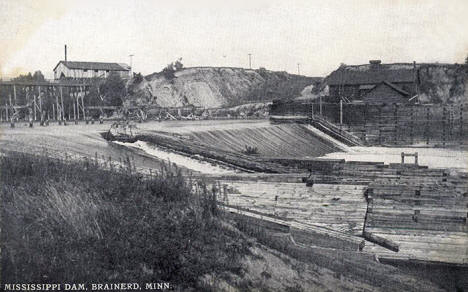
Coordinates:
[40,101]
[34,106]
[62,110]
[12,122]
[449,123]
[53,112]
[380,123]
[320,101]
[57,109]
[427,124]
[341,112]
[395,115]
[412,125]
[366,113]
[444,117]
[6,112]
[14,93]
[82,104]
[77,96]
[461,124]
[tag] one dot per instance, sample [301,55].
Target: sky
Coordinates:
[319,35]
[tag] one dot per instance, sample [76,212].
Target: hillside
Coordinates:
[446,83]
[214,87]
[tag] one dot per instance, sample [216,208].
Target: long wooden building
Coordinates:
[79,70]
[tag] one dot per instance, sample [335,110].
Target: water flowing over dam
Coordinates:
[288,140]
[178,159]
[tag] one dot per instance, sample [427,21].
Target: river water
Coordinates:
[180,160]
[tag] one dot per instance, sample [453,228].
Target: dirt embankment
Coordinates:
[213,87]
[443,83]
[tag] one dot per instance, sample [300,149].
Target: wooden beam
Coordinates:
[77,96]
[40,99]
[57,107]
[14,93]
[34,107]
[82,103]
[62,110]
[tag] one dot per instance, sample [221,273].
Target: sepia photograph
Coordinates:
[249,145]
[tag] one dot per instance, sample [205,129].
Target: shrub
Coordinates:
[250,150]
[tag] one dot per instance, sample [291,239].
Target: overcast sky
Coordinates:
[317,34]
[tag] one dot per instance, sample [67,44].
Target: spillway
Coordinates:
[285,140]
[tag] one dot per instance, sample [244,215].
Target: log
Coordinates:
[393,246]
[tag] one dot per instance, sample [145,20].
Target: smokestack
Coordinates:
[65,53]
[375,64]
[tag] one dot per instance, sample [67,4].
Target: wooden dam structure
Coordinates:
[43,100]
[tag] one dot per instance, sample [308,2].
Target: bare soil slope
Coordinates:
[213,87]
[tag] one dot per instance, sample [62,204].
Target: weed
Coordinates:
[75,222]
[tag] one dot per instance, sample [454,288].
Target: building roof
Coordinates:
[357,75]
[94,66]
[391,86]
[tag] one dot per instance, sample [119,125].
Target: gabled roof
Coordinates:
[94,66]
[357,75]
[392,86]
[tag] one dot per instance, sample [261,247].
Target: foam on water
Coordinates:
[178,159]
[432,157]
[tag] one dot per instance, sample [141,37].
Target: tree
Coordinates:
[137,78]
[178,64]
[112,90]
[25,77]
[170,69]
[38,76]
[169,72]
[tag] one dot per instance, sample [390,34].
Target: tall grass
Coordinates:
[75,222]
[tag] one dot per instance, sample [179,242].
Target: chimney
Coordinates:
[374,64]
[65,53]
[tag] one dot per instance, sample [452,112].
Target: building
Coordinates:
[386,92]
[374,83]
[72,69]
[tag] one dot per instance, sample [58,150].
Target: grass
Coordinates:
[75,222]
